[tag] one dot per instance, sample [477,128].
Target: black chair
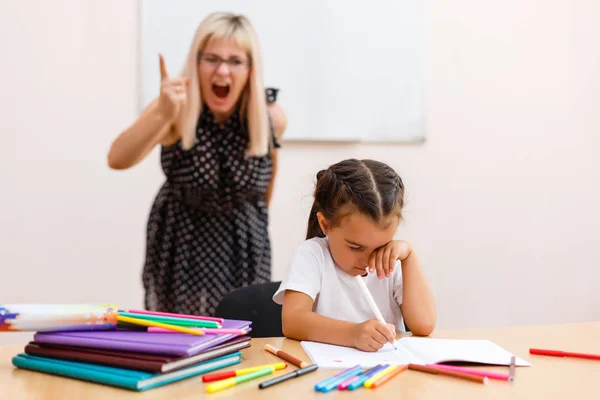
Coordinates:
[254,303]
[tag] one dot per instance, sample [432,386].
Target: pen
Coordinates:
[363,287]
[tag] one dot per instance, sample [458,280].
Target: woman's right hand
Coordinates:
[173,93]
[371,335]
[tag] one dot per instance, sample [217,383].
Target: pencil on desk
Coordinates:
[144,322]
[439,371]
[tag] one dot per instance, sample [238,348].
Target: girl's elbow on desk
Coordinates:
[422,328]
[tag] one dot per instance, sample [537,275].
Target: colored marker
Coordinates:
[166,314]
[227,383]
[335,382]
[293,374]
[190,323]
[286,356]
[439,371]
[217,376]
[344,385]
[205,330]
[388,377]
[321,384]
[511,370]
[369,382]
[364,377]
[144,322]
[558,353]
[492,375]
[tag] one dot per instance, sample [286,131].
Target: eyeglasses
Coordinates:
[213,61]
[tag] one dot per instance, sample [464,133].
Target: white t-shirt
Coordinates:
[335,293]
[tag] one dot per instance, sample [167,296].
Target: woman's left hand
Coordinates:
[383,260]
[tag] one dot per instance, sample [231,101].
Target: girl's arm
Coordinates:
[301,323]
[418,304]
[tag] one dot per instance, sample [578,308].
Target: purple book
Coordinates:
[174,344]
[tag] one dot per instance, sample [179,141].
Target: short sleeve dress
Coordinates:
[207,232]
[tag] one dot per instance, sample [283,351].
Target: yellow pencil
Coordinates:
[143,322]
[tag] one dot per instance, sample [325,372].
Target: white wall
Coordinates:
[502,199]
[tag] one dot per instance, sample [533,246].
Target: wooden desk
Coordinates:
[548,378]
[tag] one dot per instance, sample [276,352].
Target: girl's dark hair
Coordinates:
[370,187]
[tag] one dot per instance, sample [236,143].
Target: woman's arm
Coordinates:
[279,124]
[155,124]
[139,139]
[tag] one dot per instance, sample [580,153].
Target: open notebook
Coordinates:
[412,350]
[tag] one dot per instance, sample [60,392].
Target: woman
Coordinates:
[218,129]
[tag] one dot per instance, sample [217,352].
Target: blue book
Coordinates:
[124,378]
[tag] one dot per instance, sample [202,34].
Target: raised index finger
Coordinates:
[163,68]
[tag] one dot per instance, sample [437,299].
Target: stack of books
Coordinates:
[136,357]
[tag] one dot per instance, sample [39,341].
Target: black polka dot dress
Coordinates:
[208,228]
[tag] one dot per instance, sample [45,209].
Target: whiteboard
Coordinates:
[344,72]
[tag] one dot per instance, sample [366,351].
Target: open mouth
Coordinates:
[221,91]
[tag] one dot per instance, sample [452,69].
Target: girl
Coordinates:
[218,129]
[355,214]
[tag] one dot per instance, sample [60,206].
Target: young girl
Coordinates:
[355,214]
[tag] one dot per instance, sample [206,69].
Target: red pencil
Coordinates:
[558,353]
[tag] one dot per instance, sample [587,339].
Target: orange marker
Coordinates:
[285,356]
[389,376]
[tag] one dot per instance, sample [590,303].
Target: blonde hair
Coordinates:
[227,26]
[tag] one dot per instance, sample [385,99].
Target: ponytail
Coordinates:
[314,229]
